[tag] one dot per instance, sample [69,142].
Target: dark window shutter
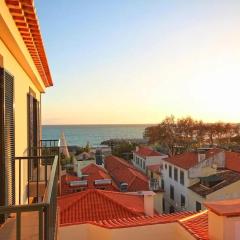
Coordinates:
[7,139]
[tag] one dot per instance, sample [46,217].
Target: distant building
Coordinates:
[192,178]
[145,156]
[130,179]
[92,177]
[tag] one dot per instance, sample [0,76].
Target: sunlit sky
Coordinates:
[136,61]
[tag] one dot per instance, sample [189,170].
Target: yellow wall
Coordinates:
[92,232]
[18,62]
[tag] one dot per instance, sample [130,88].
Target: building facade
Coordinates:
[190,179]
[145,156]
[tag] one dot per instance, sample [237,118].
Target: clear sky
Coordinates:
[136,61]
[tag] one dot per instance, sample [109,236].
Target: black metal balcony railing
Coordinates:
[40,188]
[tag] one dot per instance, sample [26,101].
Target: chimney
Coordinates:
[148,197]
[224,220]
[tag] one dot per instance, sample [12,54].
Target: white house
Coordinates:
[146,156]
[191,178]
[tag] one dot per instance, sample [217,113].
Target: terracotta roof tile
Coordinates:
[98,205]
[92,172]
[110,210]
[147,152]
[121,171]
[197,225]
[184,160]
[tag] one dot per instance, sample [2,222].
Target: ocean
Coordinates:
[94,134]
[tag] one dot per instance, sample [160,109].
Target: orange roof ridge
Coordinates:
[196,225]
[127,222]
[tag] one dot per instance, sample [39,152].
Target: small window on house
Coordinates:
[163,205]
[151,174]
[165,166]
[170,171]
[144,165]
[198,206]
[183,201]
[171,192]
[182,177]
[162,184]
[176,174]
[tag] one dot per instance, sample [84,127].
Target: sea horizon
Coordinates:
[81,134]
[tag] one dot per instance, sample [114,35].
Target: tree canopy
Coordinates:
[183,134]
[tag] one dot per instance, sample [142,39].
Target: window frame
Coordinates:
[172,194]
[170,171]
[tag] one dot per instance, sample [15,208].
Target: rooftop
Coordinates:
[197,225]
[98,205]
[184,160]
[122,171]
[223,179]
[229,208]
[147,152]
[110,210]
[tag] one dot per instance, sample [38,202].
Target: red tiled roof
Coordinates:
[142,220]
[229,208]
[65,188]
[121,171]
[147,152]
[92,172]
[197,225]
[95,172]
[24,14]
[98,205]
[184,160]
[109,210]
[232,161]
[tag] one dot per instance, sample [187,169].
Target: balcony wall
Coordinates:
[92,232]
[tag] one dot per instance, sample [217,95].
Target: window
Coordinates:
[176,174]
[182,177]
[171,192]
[162,184]
[151,174]
[170,171]
[165,166]
[144,165]
[183,201]
[141,162]
[163,205]
[198,206]
[7,140]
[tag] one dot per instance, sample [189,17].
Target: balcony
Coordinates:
[154,185]
[35,215]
